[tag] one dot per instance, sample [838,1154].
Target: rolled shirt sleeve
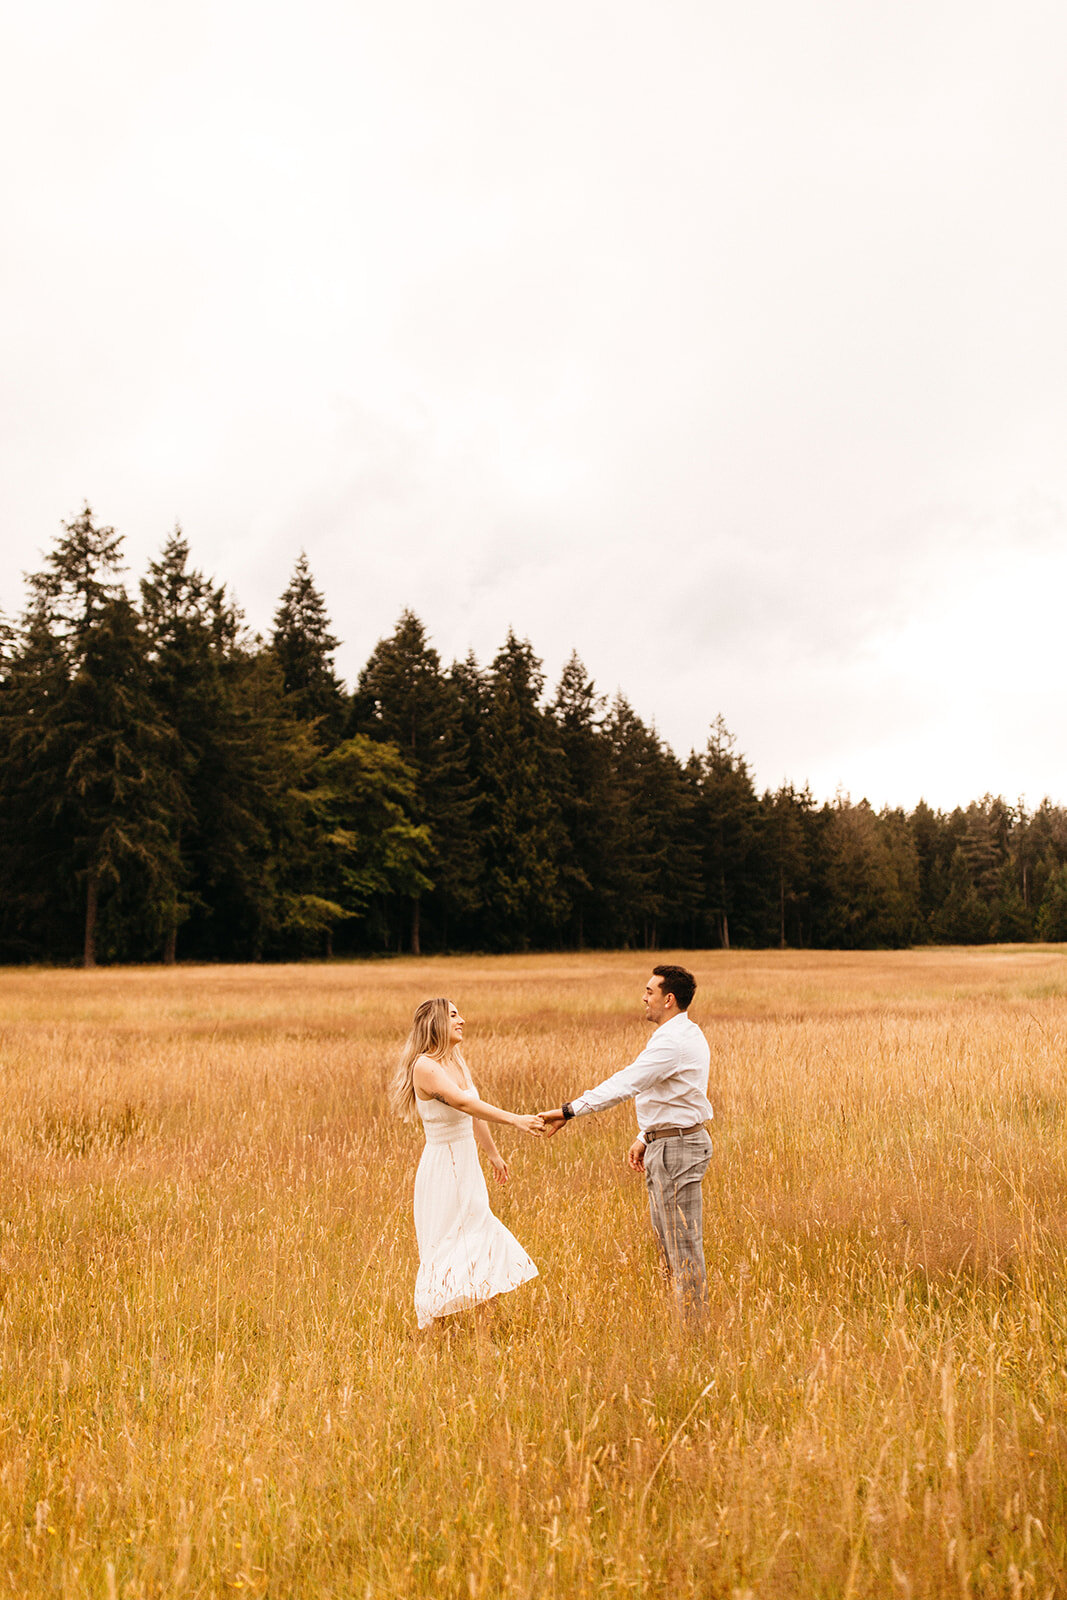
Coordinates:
[656,1059]
[668,1080]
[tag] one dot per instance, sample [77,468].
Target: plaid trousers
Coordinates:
[674,1171]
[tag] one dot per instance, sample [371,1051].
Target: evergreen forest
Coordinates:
[174,787]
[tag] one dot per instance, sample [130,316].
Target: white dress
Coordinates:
[465,1253]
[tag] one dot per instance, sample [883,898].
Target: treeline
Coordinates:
[172,785]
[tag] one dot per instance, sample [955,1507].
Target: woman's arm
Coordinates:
[485,1140]
[434,1083]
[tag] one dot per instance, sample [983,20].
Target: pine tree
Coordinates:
[585,799]
[1052,913]
[91,758]
[251,840]
[651,877]
[637,845]
[261,838]
[988,824]
[123,801]
[521,825]
[192,631]
[39,898]
[78,581]
[872,878]
[1041,850]
[927,831]
[784,840]
[727,821]
[304,647]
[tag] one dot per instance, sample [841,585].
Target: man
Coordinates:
[669,1082]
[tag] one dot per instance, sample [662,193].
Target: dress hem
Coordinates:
[466,1301]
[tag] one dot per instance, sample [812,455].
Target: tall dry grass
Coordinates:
[210,1378]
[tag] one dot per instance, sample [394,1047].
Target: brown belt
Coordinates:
[670,1133]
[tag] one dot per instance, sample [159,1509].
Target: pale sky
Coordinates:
[726,343]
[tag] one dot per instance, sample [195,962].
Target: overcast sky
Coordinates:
[726,343]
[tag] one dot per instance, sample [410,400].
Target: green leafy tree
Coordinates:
[404,698]
[363,799]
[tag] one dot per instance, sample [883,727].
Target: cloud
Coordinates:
[724,344]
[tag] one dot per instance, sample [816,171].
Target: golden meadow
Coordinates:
[211,1382]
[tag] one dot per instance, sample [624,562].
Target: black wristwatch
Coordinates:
[568,1112]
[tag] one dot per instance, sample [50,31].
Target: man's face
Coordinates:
[655,1000]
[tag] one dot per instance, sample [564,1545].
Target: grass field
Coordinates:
[211,1382]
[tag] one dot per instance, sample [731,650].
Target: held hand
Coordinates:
[530,1124]
[500,1168]
[552,1122]
[636,1155]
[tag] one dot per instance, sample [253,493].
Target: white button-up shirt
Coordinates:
[668,1081]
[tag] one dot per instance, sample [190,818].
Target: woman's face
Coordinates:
[455,1025]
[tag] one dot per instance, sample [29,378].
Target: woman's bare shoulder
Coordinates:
[423,1071]
[428,1071]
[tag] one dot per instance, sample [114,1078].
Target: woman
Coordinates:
[465,1253]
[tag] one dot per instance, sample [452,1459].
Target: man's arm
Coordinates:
[655,1060]
[636,1154]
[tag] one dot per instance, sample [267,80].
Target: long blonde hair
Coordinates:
[431,1035]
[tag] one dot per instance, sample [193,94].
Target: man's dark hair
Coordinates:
[678,981]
